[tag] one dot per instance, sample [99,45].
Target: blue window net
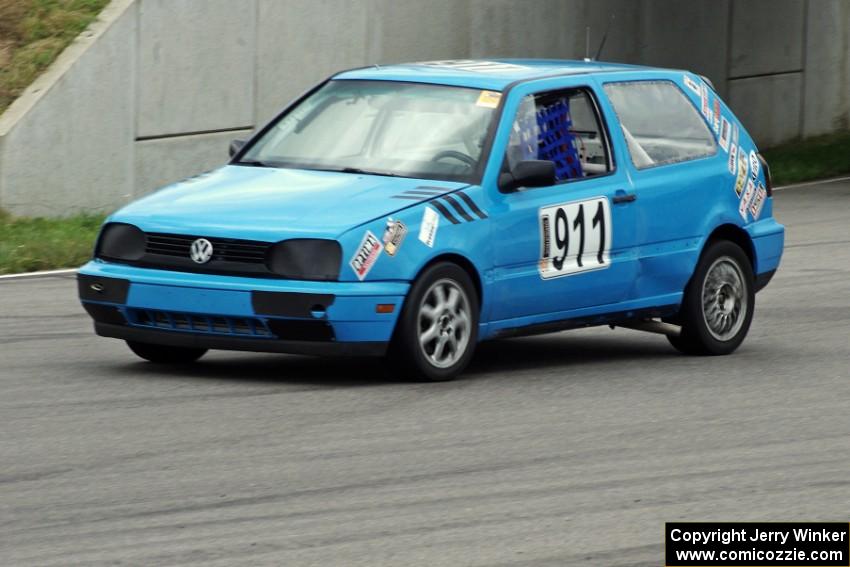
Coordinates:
[551,139]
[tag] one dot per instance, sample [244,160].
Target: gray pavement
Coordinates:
[565,449]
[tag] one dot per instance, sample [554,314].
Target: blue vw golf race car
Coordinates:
[415,210]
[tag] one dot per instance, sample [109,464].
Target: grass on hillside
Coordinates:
[33,33]
[32,244]
[814,158]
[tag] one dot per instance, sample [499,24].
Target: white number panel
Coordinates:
[575,237]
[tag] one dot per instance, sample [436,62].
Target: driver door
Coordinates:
[570,245]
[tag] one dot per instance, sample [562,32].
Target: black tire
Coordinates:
[419,361]
[163,354]
[698,337]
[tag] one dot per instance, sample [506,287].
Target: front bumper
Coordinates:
[237,313]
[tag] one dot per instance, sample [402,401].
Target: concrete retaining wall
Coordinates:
[156,89]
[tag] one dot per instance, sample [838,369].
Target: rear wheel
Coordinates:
[438,328]
[163,354]
[718,305]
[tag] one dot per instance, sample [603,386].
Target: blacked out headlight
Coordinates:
[120,241]
[305,259]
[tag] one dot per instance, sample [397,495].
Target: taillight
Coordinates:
[766,168]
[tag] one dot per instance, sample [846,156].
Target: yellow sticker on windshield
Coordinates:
[489,99]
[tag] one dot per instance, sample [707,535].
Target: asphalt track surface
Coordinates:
[565,449]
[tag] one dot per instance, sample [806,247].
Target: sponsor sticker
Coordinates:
[366,255]
[716,115]
[745,200]
[488,99]
[758,202]
[693,85]
[705,103]
[733,149]
[428,229]
[755,166]
[733,159]
[742,171]
[393,236]
[545,227]
[725,134]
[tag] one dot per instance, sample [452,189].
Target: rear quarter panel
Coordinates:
[746,177]
[729,188]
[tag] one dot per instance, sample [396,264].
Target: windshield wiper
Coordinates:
[254,163]
[357,170]
[363,171]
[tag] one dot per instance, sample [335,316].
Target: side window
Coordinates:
[562,127]
[659,123]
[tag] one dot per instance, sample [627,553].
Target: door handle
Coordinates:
[624,198]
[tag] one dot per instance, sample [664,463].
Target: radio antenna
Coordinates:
[604,38]
[587,43]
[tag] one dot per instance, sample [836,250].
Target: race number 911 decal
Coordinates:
[574,237]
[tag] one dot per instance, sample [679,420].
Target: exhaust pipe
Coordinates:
[652,326]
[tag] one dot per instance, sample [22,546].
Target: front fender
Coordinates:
[398,246]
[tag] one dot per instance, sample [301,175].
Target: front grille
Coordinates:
[195,323]
[224,249]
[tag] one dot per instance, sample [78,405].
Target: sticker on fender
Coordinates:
[428,229]
[758,202]
[742,172]
[745,200]
[366,255]
[575,237]
[393,236]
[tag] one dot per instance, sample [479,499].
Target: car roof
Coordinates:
[495,74]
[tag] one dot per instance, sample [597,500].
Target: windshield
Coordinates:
[383,128]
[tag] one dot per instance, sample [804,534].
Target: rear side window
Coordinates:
[562,127]
[659,123]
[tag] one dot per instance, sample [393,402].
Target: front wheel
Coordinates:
[718,305]
[437,330]
[163,354]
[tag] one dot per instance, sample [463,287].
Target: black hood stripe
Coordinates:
[445,212]
[460,210]
[471,204]
[436,196]
[424,193]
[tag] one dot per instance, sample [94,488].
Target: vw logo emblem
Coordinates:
[201,251]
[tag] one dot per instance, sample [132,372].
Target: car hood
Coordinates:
[270,204]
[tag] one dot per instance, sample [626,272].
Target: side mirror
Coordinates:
[528,173]
[235,146]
